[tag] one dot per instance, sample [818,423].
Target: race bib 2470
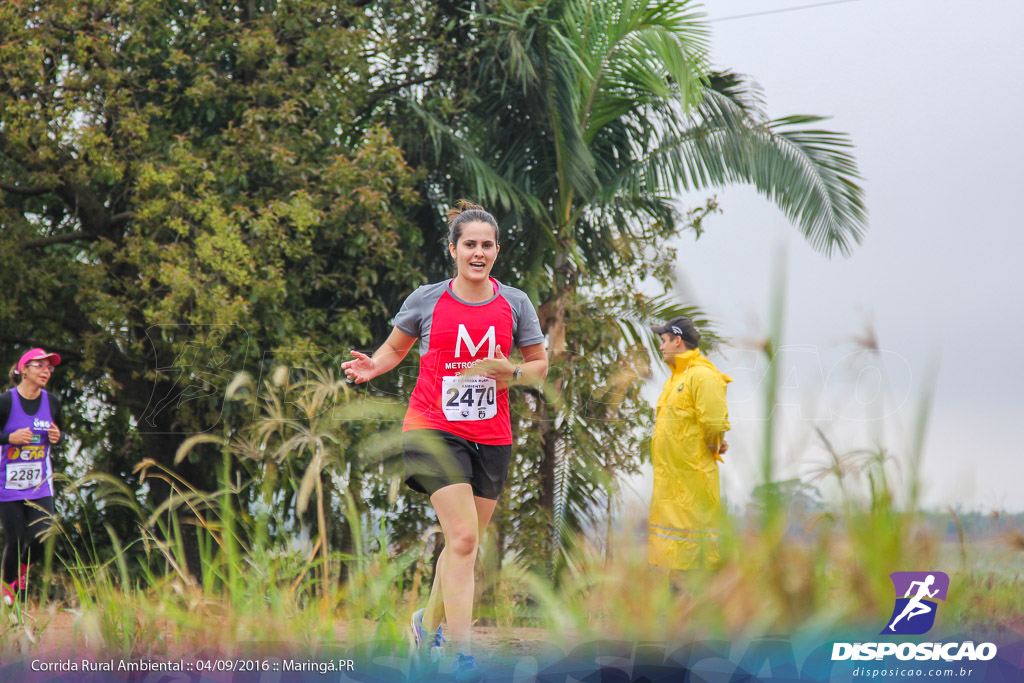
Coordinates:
[468,398]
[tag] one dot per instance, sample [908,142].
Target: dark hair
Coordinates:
[463,212]
[14,375]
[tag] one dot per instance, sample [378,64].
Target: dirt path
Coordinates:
[62,631]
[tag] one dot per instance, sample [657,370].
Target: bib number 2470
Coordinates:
[469,398]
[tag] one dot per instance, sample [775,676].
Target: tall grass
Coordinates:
[253,586]
[787,571]
[261,588]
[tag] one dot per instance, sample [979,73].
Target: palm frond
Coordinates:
[825,200]
[633,53]
[636,325]
[809,173]
[486,183]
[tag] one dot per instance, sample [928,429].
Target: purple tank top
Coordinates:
[25,471]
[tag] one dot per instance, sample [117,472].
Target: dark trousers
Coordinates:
[25,523]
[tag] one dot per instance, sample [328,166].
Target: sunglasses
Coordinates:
[38,365]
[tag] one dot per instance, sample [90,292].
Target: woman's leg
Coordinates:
[484,511]
[456,509]
[38,521]
[434,612]
[12,518]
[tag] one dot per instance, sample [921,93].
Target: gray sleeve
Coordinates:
[527,330]
[409,318]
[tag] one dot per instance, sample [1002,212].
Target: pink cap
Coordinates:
[37,354]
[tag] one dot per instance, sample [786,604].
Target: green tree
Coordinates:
[187,193]
[580,123]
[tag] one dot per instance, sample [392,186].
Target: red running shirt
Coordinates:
[454,333]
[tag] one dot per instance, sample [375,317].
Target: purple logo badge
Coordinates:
[914,612]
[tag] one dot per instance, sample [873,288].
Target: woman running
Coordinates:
[458,435]
[30,423]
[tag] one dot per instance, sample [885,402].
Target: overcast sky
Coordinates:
[931,93]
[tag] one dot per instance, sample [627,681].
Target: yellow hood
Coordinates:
[694,357]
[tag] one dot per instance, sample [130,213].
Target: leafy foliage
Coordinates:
[187,194]
[579,123]
[190,191]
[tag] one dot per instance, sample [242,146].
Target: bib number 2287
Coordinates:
[24,475]
[469,398]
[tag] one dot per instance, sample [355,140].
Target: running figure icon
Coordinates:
[917,606]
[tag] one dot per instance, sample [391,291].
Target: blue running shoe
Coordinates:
[465,669]
[436,645]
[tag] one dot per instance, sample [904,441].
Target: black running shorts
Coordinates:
[435,459]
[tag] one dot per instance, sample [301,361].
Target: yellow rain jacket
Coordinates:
[692,417]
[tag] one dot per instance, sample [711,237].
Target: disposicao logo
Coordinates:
[914,613]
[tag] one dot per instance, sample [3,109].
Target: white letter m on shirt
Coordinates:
[474,348]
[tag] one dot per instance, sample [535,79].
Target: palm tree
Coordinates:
[585,120]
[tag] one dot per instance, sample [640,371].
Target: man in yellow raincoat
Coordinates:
[687,446]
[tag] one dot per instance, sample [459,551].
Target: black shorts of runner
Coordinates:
[435,459]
